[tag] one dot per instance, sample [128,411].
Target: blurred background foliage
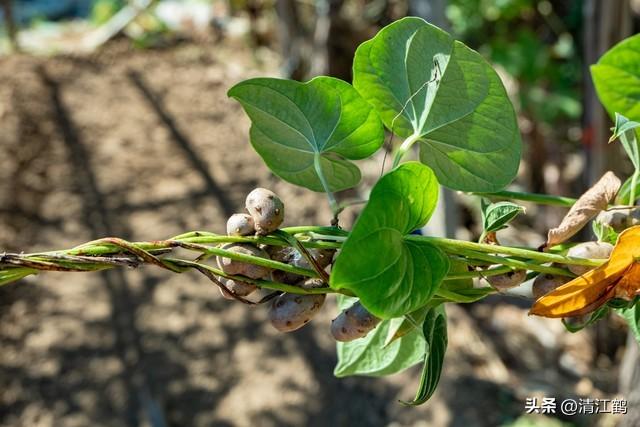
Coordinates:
[538,47]
[535,44]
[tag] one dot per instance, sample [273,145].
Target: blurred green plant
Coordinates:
[103,10]
[532,41]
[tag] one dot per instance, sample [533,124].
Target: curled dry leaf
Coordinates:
[619,277]
[594,200]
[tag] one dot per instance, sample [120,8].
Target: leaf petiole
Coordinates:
[333,203]
[403,148]
[632,190]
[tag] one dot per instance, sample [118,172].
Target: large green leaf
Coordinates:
[424,83]
[391,275]
[616,77]
[459,290]
[480,150]
[298,127]
[369,355]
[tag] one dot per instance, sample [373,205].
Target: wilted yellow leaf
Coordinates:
[618,277]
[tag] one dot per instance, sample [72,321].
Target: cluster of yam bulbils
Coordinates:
[288,311]
[618,220]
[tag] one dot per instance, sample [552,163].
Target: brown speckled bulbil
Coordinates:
[353,323]
[546,282]
[240,224]
[241,289]
[506,281]
[266,209]
[289,312]
[595,250]
[619,219]
[291,256]
[241,268]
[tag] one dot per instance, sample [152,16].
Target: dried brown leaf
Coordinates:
[594,200]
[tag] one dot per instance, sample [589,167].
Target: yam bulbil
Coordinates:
[353,323]
[292,311]
[266,209]
[233,267]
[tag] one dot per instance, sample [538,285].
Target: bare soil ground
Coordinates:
[145,145]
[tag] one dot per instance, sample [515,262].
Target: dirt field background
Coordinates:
[145,145]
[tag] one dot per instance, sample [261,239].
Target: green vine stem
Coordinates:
[295,243]
[632,189]
[541,199]
[516,264]
[452,246]
[265,284]
[495,271]
[113,252]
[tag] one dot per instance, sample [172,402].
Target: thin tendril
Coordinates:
[435,79]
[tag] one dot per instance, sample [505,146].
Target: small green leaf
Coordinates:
[616,77]
[496,216]
[632,316]
[401,326]
[594,317]
[392,275]
[423,83]
[604,232]
[13,275]
[622,198]
[369,355]
[293,124]
[625,131]
[621,303]
[435,333]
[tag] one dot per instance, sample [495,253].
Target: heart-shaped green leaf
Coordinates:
[425,84]
[392,275]
[616,77]
[450,290]
[301,128]
[370,356]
